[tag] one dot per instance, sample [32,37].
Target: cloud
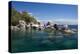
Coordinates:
[61,21]
[30,13]
[66,21]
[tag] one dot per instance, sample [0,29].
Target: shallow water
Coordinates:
[42,41]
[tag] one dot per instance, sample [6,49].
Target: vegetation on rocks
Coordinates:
[24,15]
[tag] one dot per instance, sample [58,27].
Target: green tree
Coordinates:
[16,16]
[28,18]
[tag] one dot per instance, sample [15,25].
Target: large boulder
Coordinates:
[22,24]
[20,27]
[15,28]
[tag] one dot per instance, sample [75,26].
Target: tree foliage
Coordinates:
[16,16]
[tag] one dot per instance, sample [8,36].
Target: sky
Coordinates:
[44,12]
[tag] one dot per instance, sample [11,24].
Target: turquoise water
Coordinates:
[42,41]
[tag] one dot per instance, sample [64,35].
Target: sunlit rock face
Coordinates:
[15,28]
[22,24]
[20,27]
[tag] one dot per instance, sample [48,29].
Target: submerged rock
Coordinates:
[69,31]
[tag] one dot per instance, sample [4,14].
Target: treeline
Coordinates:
[16,16]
